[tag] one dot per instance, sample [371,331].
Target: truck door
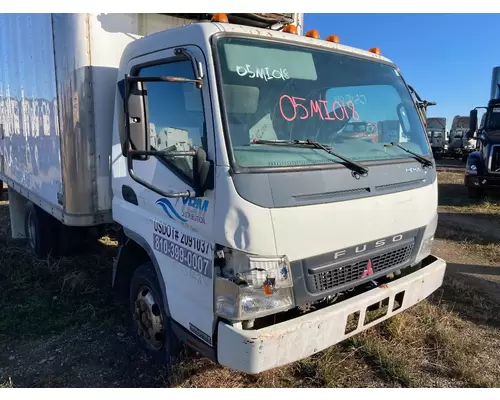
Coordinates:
[178,230]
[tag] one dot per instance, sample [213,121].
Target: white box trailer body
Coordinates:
[275,228]
[57,93]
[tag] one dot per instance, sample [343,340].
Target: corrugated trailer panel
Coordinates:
[28,106]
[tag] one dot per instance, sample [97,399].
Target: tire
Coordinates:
[164,346]
[41,231]
[475,192]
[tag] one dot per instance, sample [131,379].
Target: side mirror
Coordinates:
[136,136]
[136,124]
[203,172]
[472,124]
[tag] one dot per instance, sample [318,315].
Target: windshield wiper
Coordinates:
[351,164]
[423,160]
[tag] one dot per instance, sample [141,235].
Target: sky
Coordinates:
[447,58]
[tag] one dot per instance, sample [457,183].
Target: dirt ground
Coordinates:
[60,327]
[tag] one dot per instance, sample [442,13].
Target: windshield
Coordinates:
[277,91]
[493,123]
[436,134]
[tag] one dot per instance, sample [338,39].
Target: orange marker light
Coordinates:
[220,17]
[375,50]
[290,29]
[333,38]
[313,33]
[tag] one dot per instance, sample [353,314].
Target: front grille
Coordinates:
[495,159]
[348,273]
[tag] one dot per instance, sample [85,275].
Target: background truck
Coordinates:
[436,131]
[459,145]
[248,227]
[482,171]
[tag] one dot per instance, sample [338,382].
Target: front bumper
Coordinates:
[486,181]
[255,351]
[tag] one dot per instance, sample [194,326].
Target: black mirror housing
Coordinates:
[472,123]
[136,124]
[203,173]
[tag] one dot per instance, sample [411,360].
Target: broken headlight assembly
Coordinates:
[253,286]
[428,239]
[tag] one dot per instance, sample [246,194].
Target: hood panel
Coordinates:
[302,232]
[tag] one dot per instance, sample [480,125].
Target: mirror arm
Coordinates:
[197,66]
[130,167]
[167,154]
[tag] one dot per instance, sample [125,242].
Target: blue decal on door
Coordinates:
[169,209]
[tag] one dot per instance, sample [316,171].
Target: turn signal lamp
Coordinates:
[333,38]
[290,29]
[375,50]
[220,17]
[313,33]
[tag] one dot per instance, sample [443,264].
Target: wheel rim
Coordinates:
[149,318]
[31,230]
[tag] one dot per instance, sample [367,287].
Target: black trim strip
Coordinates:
[194,343]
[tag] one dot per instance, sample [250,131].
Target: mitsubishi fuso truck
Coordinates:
[250,229]
[482,171]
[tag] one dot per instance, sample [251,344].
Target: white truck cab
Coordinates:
[249,229]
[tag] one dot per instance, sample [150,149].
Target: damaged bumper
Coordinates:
[255,351]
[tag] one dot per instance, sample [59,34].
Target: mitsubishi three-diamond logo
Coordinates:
[368,270]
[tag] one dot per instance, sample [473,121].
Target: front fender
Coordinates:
[475,159]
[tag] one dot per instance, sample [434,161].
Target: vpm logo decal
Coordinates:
[169,209]
[196,204]
[193,209]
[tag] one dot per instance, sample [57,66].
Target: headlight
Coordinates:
[260,286]
[428,240]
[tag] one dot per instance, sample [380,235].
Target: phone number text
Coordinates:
[183,255]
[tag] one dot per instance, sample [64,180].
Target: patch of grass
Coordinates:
[40,297]
[428,335]
[391,364]
[470,242]
[468,302]
[338,366]
[453,196]
[458,354]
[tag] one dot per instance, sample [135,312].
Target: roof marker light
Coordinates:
[333,38]
[313,33]
[220,17]
[290,29]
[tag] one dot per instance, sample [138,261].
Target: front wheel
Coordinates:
[150,318]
